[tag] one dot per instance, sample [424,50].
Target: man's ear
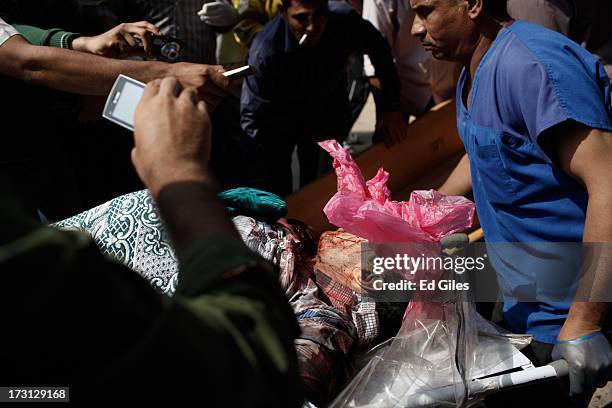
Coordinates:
[475,8]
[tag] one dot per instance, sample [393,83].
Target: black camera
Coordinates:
[166,48]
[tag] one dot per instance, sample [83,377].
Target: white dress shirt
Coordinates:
[393,18]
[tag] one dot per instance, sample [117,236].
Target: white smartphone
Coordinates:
[122,101]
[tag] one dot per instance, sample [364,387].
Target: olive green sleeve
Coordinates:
[225,337]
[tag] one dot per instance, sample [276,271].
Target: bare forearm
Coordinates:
[71,71]
[64,70]
[589,310]
[459,182]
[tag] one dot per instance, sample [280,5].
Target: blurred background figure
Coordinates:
[253,15]
[219,14]
[588,22]
[393,18]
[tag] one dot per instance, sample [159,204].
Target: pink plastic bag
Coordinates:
[366,209]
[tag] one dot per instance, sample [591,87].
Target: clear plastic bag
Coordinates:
[426,364]
[442,346]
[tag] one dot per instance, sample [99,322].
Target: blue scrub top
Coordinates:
[530,80]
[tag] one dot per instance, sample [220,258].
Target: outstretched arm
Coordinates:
[87,74]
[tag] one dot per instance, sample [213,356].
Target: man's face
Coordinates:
[444,28]
[307,17]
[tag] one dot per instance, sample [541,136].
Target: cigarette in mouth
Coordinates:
[303,39]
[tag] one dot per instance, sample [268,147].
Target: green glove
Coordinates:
[254,203]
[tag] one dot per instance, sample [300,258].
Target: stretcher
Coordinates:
[480,388]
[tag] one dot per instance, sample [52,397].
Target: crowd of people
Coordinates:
[531,84]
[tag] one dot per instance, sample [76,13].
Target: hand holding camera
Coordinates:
[123,40]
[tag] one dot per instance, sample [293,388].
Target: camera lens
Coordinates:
[171,51]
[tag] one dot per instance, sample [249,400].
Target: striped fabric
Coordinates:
[179,19]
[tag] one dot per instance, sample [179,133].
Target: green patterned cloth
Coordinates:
[130,229]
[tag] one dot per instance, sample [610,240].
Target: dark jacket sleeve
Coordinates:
[258,113]
[372,43]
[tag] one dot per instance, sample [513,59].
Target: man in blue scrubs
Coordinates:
[534,114]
